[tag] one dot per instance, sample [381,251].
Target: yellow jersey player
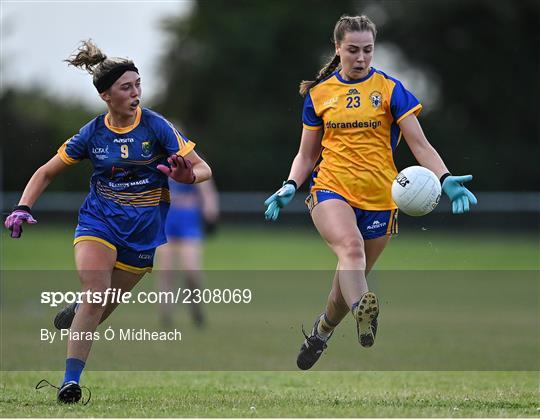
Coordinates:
[353,119]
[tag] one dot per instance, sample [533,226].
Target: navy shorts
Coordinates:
[127,259]
[371,223]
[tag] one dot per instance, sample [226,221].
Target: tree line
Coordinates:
[232,69]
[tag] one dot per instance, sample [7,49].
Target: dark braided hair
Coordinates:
[327,70]
[344,24]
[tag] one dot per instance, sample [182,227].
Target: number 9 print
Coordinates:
[124,151]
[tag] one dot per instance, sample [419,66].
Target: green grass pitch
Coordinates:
[330,390]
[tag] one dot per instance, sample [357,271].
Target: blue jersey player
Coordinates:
[194,211]
[133,151]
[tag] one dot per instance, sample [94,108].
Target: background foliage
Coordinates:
[232,70]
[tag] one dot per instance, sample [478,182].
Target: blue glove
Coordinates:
[278,200]
[458,194]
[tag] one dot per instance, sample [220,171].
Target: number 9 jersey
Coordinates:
[360,121]
[129,197]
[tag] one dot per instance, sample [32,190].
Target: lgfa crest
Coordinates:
[375,98]
[146,149]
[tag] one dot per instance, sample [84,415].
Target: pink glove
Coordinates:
[15,220]
[181,170]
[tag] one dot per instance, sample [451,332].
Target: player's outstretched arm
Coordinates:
[427,156]
[303,164]
[22,212]
[190,169]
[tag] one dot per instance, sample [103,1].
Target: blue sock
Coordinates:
[354,306]
[74,368]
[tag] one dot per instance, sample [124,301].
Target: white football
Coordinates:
[416,191]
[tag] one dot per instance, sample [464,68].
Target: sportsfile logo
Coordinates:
[374,124]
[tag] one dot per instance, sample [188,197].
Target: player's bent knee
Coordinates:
[352,249]
[94,278]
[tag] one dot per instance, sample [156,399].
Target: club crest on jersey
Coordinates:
[375,98]
[146,149]
[353,91]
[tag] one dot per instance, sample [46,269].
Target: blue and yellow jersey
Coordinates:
[128,194]
[360,121]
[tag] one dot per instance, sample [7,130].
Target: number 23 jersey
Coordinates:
[360,121]
[129,196]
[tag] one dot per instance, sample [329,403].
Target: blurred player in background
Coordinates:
[133,151]
[353,118]
[193,213]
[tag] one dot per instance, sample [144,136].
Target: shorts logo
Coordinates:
[376,225]
[145,256]
[375,98]
[146,149]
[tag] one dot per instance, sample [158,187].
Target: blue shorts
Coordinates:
[184,223]
[371,223]
[127,259]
